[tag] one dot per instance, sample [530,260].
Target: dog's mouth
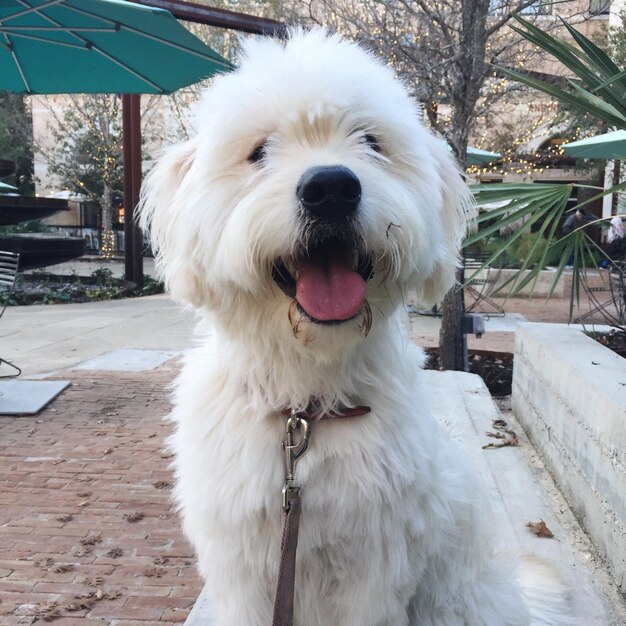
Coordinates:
[328,280]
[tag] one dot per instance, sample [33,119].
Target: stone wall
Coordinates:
[569,393]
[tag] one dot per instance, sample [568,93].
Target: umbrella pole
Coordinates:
[133,237]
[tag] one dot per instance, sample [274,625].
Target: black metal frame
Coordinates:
[616,287]
[481,288]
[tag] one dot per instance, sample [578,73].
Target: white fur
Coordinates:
[391,531]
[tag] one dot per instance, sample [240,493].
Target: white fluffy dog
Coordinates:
[309,204]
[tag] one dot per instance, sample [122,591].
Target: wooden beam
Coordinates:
[212,16]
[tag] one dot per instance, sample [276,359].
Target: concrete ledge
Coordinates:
[537,289]
[569,393]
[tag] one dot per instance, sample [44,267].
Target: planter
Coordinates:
[569,393]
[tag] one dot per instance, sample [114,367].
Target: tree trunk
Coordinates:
[467,81]
[107,239]
[452,342]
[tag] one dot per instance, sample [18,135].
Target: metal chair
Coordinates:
[613,307]
[482,285]
[9,262]
[617,282]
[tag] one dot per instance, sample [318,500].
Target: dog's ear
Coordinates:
[162,215]
[455,213]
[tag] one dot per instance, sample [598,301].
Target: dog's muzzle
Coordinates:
[328,280]
[327,275]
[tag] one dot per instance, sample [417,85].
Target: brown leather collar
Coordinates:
[312,412]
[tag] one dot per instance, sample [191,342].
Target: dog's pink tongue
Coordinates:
[328,289]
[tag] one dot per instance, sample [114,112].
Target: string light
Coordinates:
[107,243]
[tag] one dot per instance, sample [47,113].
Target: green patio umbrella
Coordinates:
[98,46]
[606,146]
[103,46]
[4,188]
[475,156]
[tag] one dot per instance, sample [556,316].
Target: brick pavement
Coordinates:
[87,529]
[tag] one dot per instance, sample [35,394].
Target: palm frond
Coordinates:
[598,88]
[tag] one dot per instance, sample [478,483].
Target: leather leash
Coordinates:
[297,423]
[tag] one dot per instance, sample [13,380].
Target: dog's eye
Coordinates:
[372,142]
[258,154]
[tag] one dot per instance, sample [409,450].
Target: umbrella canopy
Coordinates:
[480,157]
[98,46]
[4,188]
[102,46]
[607,146]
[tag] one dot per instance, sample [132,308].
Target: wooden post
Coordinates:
[131,117]
[133,237]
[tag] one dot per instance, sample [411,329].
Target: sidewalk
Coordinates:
[46,338]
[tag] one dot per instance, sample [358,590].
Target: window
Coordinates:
[538,7]
[599,7]
[541,7]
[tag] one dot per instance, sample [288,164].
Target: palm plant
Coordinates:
[598,89]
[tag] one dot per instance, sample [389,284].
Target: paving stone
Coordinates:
[107,427]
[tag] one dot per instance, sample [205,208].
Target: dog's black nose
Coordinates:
[329,192]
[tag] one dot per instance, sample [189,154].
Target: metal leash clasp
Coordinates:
[292,450]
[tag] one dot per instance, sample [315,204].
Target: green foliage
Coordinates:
[7,299]
[599,91]
[36,226]
[529,247]
[617,41]
[88,151]
[55,296]
[43,287]
[543,205]
[16,140]
[151,286]
[103,277]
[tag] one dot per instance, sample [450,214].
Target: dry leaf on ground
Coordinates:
[91,540]
[540,529]
[114,553]
[154,572]
[62,568]
[505,435]
[81,605]
[48,612]
[134,517]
